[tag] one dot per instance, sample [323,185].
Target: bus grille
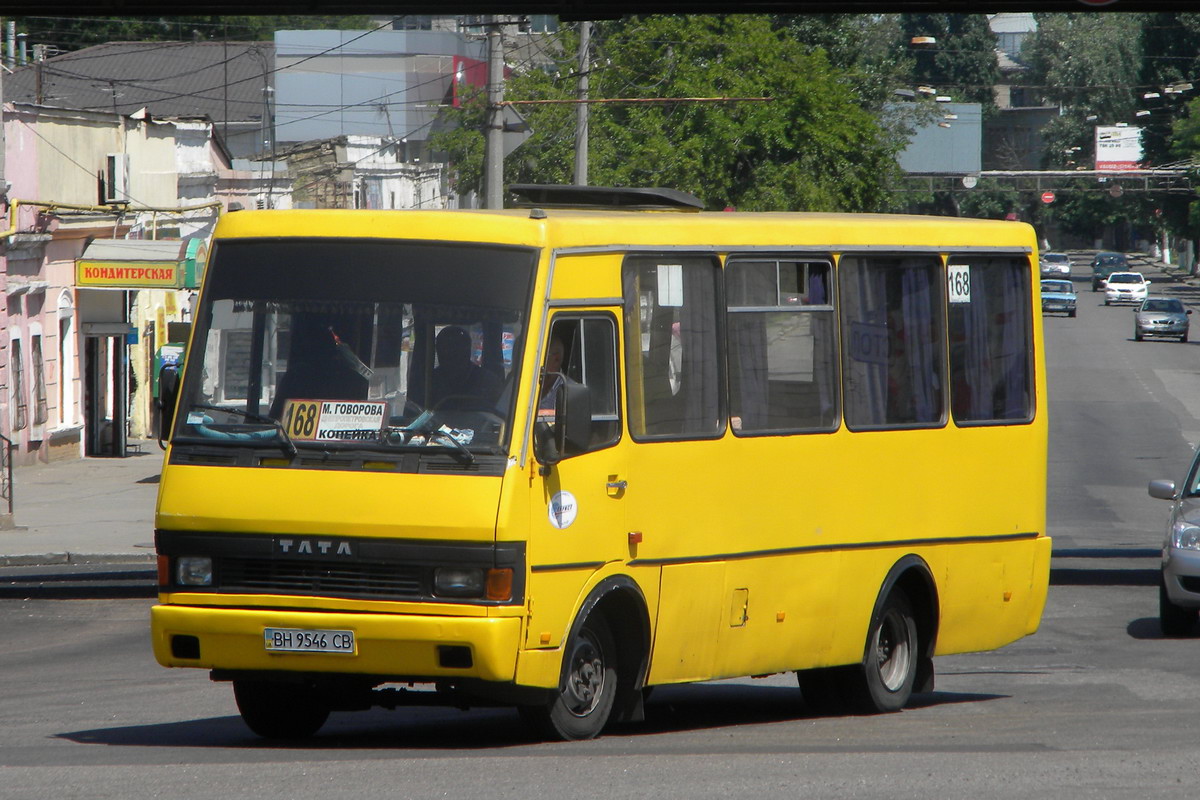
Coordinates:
[378,581]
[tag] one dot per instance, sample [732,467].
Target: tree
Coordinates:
[1171,60]
[861,47]
[810,146]
[75,33]
[961,62]
[1088,65]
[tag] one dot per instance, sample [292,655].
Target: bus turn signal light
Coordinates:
[499,584]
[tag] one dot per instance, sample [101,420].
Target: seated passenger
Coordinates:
[459,383]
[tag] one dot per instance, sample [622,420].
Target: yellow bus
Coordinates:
[554,455]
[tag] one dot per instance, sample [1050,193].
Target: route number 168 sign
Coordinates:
[958,283]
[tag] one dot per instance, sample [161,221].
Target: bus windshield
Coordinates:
[357,344]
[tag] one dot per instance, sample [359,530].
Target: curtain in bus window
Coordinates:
[892,329]
[672,346]
[918,315]
[990,343]
[749,284]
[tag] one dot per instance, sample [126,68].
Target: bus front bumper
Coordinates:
[396,645]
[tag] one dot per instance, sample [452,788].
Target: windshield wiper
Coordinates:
[467,456]
[285,441]
[427,425]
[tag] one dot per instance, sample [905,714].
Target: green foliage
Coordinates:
[811,146]
[861,47]
[74,33]
[1098,67]
[961,63]
[1087,63]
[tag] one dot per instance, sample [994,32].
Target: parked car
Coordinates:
[1179,583]
[1105,264]
[1158,316]
[1058,296]
[1125,287]
[1055,265]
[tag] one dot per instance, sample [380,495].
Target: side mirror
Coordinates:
[1189,311]
[1162,489]
[571,429]
[168,397]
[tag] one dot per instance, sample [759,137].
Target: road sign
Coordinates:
[1047,197]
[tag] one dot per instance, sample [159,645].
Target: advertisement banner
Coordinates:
[1118,147]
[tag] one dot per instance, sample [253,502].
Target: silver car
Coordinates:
[1055,265]
[1161,316]
[1179,588]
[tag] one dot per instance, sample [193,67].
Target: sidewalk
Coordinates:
[90,510]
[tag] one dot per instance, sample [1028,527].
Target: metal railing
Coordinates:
[6,473]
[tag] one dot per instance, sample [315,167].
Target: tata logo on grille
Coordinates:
[313,547]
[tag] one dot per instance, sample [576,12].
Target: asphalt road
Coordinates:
[1097,704]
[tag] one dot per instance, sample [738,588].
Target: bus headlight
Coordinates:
[194,571]
[458,582]
[1185,536]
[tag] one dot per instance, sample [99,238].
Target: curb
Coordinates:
[52,559]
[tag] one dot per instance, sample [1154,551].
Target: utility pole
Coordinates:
[581,110]
[493,172]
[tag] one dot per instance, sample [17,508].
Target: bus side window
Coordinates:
[893,318]
[588,347]
[991,372]
[782,345]
[673,353]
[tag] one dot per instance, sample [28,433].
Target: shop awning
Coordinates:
[141,264]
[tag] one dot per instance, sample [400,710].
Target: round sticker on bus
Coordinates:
[563,509]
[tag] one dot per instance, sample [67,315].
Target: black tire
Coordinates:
[1137,337]
[1183,338]
[581,707]
[1106,302]
[1174,620]
[1071,313]
[889,670]
[278,710]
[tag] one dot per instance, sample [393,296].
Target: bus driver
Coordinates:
[457,381]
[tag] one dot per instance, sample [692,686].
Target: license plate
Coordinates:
[301,640]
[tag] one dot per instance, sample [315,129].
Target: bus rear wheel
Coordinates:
[278,710]
[889,667]
[581,706]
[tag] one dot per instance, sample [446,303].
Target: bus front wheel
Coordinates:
[581,706]
[890,663]
[277,710]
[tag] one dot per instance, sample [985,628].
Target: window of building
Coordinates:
[782,345]
[672,346]
[40,407]
[16,368]
[892,352]
[991,341]
[66,361]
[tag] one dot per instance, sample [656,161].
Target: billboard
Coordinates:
[1118,147]
[951,143]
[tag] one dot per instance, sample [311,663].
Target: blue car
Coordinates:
[1058,297]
